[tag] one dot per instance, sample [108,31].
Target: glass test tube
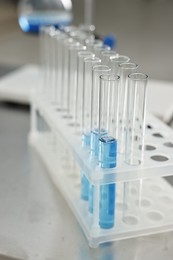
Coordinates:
[66,64]
[81,36]
[73,59]
[48,61]
[108,120]
[90,44]
[43,58]
[105,56]
[53,54]
[86,124]
[99,49]
[97,71]
[115,61]
[125,69]
[82,55]
[136,114]
[60,63]
[86,117]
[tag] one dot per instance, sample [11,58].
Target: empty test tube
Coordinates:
[82,55]
[136,115]
[47,60]
[73,60]
[53,54]
[99,49]
[43,58]
[81,36]
[105,56]
[91,43]
[59,68]
[124,69]
[116,61]
[108,120]
[66,64]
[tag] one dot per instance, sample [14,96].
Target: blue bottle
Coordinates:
[33,14]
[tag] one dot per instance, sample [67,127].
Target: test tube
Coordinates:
[73,59]
[66,64]
[86,116]
[108,120]
[81,36]
[125,69]
[48,61]
[105,56]
[82,55]
[53,54]
[60,63]
[115,61]
[99,49]
[97,71]
[91,43]
[136,115]
[43,58]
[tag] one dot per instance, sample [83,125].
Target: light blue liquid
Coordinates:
[107,159]
[91,194]
[94,146]
[107,205]
[107,152]
[84,187]
[86,139]
[84,181]
[95,141]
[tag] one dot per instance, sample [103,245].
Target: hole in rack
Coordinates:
[158,135]
[155,188]
[166,199]
[121,206]
[168,144]
[130,220]
[149,126]
[144,203]
[148,147]
[155,216]
[159,158]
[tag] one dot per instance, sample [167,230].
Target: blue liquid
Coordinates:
[107,152]
[91,193]
[94,145]
[107,159]
[95,141]
[84,187]
[84,181]
[86,139]
[107,205]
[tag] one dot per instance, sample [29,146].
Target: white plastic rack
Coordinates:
[144,199]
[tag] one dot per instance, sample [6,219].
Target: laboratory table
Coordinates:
[35,222]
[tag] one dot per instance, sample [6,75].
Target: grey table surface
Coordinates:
[35,222]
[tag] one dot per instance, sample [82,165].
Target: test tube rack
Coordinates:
[148,206]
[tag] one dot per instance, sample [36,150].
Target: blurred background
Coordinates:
[143,29]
